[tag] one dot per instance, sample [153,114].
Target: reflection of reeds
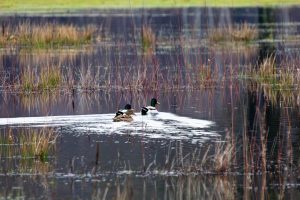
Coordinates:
[37,144]
[181,187]
[46,35]
[28,143]
[275,96]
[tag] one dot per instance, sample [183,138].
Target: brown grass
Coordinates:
[28,143]
[45,35]
[33,79]
[37,144]
[239,33]
[148,39]
[280,77]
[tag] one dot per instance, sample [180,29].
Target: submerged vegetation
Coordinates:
[49,35]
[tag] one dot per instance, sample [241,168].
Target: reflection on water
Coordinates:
[128,187]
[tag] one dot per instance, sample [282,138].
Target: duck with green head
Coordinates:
[150,109]
[124,115]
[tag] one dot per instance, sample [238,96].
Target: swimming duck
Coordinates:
[124,115]
[151,108]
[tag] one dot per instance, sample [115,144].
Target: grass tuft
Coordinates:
[148,39]
[239,33]
[49,35]
[28,143]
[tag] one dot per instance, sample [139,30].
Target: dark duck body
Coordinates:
[150,109]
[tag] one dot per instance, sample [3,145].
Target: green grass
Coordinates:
[48,5]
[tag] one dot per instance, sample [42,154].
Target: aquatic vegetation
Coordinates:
[32,80]
[28,143]
[223,157]
[50,78]
[280,77]
[47,35]
[239,33]
[148,39]
[208,76]
[37,144]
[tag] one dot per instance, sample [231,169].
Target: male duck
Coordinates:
[151,108]
[124,115]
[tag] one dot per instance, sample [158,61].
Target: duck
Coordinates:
[152,108]
[124,115]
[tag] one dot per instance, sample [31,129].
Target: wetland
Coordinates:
[227,80]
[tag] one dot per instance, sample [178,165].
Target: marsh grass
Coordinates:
[208,76]
[216,159]
[37,144]
[223,157]
[49,35]
[28,143]
[47,78]
[240,33]
[280,77]
[148,39]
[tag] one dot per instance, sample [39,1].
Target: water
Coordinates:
[152,158]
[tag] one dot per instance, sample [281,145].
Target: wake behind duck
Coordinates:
[163,125]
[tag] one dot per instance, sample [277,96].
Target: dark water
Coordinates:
[88,164]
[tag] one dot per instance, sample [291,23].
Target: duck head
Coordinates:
[154,102]
[127,107]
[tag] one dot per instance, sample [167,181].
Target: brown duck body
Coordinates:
[124,116]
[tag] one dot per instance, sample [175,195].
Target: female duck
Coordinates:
[151,108]
[124,115]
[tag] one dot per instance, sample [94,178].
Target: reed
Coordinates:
[222,157]
[37,144]
[50,78]
[208,77]
[33,80]
[148,39]
[280,77]
[28,143]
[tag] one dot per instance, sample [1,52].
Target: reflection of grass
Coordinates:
[37,144]
[28,143]
[275,96]
[35,5]
[178,187]
[241,33]
[45,35]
